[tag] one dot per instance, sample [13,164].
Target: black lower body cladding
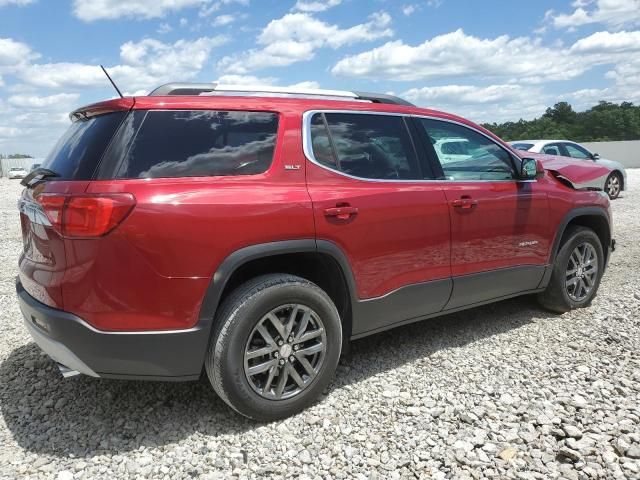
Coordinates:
[150,355]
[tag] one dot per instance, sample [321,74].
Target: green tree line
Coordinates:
[605,121]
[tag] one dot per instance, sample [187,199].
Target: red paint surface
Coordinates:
[152,271]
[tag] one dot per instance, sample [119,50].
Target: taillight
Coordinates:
[86,216]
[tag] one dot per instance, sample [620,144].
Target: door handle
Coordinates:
[344,212]
[465,202]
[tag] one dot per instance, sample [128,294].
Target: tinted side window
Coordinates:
[552,149]
[370,146]
[321,143]
[200,143]
[79,150]
[577,151]
[467,155]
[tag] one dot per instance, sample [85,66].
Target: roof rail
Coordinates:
[268,91]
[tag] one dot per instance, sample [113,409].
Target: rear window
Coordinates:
[522,146]
[78,152]
[181,143]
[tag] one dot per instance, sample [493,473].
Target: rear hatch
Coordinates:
[53,192]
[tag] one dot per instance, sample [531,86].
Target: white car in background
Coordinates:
[17,172]
[614,183]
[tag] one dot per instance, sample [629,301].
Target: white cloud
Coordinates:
[408,10]
[246,80]
[63,74]
[482,104]
[315,6]
[42,102]
[164,28]
[608,43]
[626,76]
[296,36]
[145,64]
[90,10]
[457,54]
[305,84]
[13,54]
[20,3]
[212,7]
[614,13]
[263,81]
[222,20]
[468,94]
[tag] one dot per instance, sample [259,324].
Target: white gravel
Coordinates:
[503,391]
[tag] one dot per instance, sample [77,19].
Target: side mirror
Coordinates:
[530,168]
[595,156]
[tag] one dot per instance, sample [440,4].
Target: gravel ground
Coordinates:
[503,391]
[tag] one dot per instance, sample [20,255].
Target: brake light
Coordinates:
[86,216]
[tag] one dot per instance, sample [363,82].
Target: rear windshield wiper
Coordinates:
[37,175]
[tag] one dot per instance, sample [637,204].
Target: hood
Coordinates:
[578,173]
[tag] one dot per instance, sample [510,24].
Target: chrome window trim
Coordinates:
[307,146]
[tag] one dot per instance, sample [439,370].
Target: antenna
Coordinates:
[112,82]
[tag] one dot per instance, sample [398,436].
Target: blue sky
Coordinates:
[485,60]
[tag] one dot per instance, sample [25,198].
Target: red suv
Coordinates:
[252,234]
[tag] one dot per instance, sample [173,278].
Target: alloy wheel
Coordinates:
[613,186]
[285,351]
[582,271]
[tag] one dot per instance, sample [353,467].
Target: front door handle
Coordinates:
[344,212]
[465,202]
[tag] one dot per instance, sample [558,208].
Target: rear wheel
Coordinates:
[275,348]
[576,273]
[613,185]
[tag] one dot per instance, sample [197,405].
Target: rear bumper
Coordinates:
[155,355]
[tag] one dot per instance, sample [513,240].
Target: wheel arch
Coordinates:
[595,218]
[321,262]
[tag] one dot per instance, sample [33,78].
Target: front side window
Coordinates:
[577,151]
[180,143]
[465,154]
[364,145]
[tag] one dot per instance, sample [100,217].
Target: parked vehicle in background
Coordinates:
[614,183]
[17,172]
[34,166]
[253,233]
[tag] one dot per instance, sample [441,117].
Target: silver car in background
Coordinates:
[614,183]
[17,172]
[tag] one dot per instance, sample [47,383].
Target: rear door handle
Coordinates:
[341,212]
[464,203]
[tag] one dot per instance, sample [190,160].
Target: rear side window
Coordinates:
[78,152]
[365,145]
[196,143]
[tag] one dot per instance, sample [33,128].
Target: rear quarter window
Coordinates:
[200,143]
[79,150]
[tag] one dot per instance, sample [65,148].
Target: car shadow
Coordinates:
[85,417]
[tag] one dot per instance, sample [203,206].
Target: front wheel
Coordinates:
[275,347]
[613,185]
[577,271]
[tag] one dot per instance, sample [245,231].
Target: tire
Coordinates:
[559,296]
[239,334]
[613,185]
